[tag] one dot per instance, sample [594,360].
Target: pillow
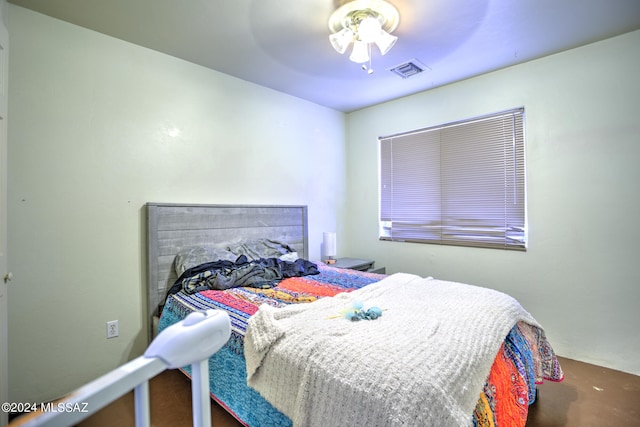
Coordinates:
[191,257]
[263,248]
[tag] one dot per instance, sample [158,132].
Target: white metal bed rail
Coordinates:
[189,342]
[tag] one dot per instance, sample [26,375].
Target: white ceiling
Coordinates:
[284,45]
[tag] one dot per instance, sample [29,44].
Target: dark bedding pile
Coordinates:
[256,273]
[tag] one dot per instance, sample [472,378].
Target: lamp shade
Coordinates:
[329,244]
[360,52]
[341,40]
[369,29]
[385,41]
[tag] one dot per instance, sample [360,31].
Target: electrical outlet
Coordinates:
[112,329]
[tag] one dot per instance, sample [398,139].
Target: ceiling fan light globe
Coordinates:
[341,40]
[369,30]
[360,53]
[385,42]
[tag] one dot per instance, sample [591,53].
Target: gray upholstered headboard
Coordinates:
[172,227]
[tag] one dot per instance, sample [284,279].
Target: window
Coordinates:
[460,183]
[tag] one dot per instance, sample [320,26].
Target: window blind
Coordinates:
[460,183]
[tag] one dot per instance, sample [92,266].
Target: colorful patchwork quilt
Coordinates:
[525,357]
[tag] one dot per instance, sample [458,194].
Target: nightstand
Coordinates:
[358,264]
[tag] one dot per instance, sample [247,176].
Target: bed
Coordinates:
[307,363]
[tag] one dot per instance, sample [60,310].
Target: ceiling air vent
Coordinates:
[409,68]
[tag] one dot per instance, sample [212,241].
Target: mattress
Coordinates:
[524,358]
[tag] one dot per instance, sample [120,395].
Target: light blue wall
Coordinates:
[580,276]
[92,124]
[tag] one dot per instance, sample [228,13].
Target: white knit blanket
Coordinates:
[423,363]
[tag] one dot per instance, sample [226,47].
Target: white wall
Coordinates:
[580,275]
[90,142]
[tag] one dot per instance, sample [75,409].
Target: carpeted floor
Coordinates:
[589,396]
